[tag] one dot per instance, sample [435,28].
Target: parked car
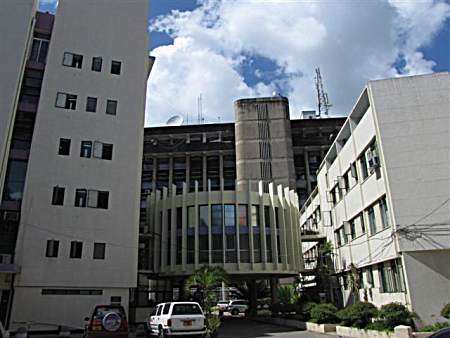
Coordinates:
[107,321]
[222,305]
[177,319]
[444,333]
[237,306]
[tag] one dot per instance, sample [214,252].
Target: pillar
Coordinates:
[274,283]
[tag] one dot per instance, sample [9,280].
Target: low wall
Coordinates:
[399,332]
[321,328]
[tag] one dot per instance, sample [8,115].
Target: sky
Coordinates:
[224,50]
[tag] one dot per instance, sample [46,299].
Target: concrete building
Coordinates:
[383,197]
[75,242]
[203,164]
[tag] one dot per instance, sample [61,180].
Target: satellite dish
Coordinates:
[176,120]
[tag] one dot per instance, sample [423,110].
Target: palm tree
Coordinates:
[206,280]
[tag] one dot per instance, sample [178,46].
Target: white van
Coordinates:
[177,319]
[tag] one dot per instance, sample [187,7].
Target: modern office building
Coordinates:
[226,194]
[72,152]
[383,197]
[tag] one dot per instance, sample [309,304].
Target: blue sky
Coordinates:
[229,49]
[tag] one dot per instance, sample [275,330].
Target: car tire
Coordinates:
[235,312]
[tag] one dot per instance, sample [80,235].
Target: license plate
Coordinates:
[187,322]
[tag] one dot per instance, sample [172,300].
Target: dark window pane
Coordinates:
[76,249]
[99,250]
[111,107]
[91,104]
[64,146]
[80,198]
[116,67]
[107,151]
[52,248]
[86,149]
[97,64]
[103,197]
[58,196]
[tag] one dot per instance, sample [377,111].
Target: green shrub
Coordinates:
[445,312]
[358,315]
[394,314]
[324,313]
[434,327]
[377,325]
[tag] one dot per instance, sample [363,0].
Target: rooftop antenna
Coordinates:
[200,118]
[323,104]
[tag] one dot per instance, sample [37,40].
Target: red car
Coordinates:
[107,321]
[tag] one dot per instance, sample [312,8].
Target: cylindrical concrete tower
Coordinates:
[263,143]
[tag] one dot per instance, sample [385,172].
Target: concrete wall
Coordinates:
[249,116]
[105,31]
[16,25]
[414,124]
[428,274]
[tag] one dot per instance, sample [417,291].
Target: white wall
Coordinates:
[16,25]
[413,119]
[114,30]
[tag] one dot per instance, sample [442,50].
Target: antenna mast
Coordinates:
[323,103]
[199,109]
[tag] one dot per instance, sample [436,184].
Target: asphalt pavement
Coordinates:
[239,327]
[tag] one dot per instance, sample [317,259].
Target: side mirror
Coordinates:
[86,319]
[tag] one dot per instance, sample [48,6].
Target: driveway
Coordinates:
[238,327]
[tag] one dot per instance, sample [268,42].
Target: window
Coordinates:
[166,308]
[80,198]
[91,104]
[86,149]
[97,64]
[244,244]
[363,224]
[39,50]
[111,107]
[391,276]
[66,101]
[384,213]
[203,242]
[52,248]
[72,60]
[255,215]
[103,197]
[99,250]
[103,150]
[64,146]
[363,165]
[58,196]
[116,67]
[76,249]
[372,222]
[352,229]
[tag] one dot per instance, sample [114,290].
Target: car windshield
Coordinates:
[223,302]
[186,309]
[101,311]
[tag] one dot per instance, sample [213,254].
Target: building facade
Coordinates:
[382,197]
[75,242]
[203,164]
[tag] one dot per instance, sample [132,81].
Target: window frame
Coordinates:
[56,197]
[52,248]
[94,59]
[91,108]
[75,62]
[96,255]
[76,246]
[114,65]
[110,102]
[64,142]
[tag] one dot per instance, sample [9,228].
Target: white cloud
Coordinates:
[352,42]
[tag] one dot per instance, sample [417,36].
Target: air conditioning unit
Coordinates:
[373,160]
[330,198]
[5,259]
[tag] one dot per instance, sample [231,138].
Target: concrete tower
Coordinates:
[263,143]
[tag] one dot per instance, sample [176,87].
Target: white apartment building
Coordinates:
[77,242]
[383,196]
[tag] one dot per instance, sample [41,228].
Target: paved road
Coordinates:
[245,328]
